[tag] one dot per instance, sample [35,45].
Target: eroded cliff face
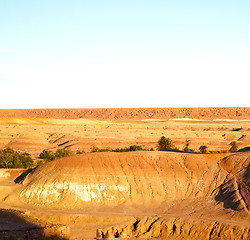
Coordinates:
[140,179]
[163,228]
[234,193]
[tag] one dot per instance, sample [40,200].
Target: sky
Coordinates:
[140,53]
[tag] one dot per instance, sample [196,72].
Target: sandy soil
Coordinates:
[112,191]
[171,195]
[35,134]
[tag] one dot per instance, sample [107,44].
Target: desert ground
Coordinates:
[142,194]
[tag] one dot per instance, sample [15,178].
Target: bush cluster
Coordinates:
[126,149]
[13,159]
[48,155]
[166,144]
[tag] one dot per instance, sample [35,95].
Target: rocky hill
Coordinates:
[130,113]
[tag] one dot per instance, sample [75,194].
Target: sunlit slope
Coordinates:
[147,179]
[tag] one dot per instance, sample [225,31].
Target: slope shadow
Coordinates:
[245,149]
[246,184]
[20,178]
[236,129]
[234,194]
[14,226]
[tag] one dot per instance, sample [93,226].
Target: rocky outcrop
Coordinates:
[234,193]
[162,228]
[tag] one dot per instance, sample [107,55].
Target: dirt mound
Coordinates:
[187,195]
[130,113]
[142,179]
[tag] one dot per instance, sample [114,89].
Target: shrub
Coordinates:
[135,148]
[165,144]
[186,148]
[47,155]
[104,150]
[214,151]
[234,147]
[62,153]
[13,159]
[94,149]
[126,149]
[203,149]
[80,151]
[223,151]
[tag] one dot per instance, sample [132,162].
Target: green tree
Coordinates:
[6,157]
[135,148]
[62,153]
[234,147]
[47,155]
[203,149]
[165,144]
[13,159]
[25,160]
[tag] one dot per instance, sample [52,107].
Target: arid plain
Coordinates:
[143,194]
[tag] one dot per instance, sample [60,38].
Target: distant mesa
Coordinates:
[130,113]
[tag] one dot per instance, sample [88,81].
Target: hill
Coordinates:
[199,191]
[130,113]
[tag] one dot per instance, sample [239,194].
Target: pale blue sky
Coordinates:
[137,53]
